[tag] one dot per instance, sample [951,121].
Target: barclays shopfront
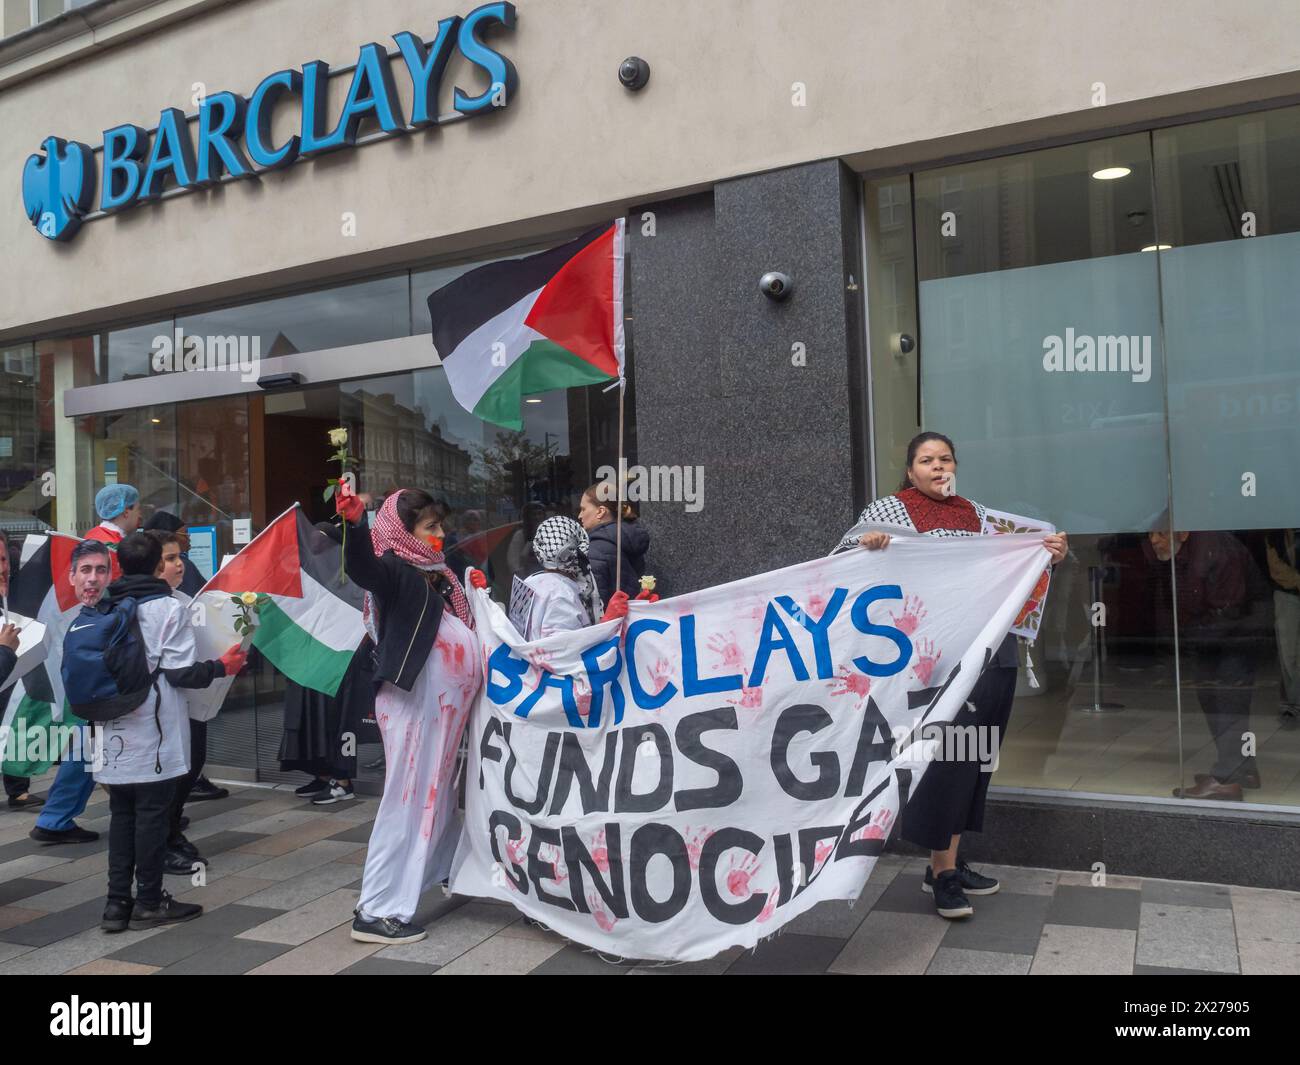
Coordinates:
[1091,300]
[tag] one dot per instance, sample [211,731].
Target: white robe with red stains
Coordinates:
[413,839]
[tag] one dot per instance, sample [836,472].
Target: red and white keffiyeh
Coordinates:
[389,534]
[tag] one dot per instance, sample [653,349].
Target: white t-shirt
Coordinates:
[137,742]
[557,606]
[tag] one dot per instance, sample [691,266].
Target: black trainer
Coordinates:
[972,883]
[73,834]
[387,930]
[203,790]
[177,863]
[168,911]
[312,787]
[117,915]
[336,792]
[184,846]
[949,899]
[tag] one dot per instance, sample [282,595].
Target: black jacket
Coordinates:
[8,659]
[603,553]
[193,578]
[410,610]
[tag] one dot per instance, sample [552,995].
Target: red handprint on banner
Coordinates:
[554,863]
[695,844]
[738,876]
[913,614]
[926,659]
[605,920]
[879,827]
[750,698]
[727,649]
[850,682]
[582,695]
[660,675]
[600,852]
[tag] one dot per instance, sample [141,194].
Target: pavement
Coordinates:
[285,876]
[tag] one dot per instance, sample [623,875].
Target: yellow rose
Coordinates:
[647,583]
[248,598]
[338,437]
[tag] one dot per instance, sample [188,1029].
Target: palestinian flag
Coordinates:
[308,620]
[547,321]
[41,590]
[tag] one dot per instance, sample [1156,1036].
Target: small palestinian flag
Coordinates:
[41,589]
[308,622]
[547,321]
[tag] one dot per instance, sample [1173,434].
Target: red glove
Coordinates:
[233,660]
[348,504]
[647,595]
[478,578]
[617,607]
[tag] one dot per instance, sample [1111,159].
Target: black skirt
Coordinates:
[950,798]
[317,728]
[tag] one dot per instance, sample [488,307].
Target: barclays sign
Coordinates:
[234,140]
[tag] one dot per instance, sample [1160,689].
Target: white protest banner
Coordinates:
[732,757]
[1001,523]
[213,620]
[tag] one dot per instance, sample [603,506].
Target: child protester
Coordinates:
[144,753]
[181,855]
[564,591]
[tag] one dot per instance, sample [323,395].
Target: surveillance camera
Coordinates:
[634,72]
[776,285]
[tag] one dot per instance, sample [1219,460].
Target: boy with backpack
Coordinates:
[124,660]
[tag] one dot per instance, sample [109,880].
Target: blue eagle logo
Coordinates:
[58,188]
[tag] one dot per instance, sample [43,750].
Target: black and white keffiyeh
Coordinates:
[560,545]
[890,510]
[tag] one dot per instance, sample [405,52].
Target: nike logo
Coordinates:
[78,628]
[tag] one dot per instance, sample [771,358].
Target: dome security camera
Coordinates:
[776,285]
[634,73]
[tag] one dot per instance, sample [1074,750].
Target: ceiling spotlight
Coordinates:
[1157,247]
[1110,173]
[532,401]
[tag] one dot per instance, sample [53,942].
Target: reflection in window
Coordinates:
[312,321]
[135,447]
[126,354]
[24,448]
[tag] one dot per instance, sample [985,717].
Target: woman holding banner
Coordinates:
[950,798]
[429,669]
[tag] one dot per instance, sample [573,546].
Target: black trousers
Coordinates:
[198,756]
[137,837]
[1225,682]
[950,798]
[16,785]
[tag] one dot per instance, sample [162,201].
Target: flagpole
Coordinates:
[618,514]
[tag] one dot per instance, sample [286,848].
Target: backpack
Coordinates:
[105,669]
